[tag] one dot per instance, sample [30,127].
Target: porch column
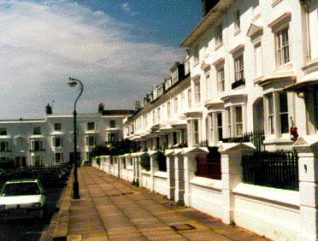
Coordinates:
[179,176]
[170,172]
[307,148]
[231,155]
[153,169]
[190,167]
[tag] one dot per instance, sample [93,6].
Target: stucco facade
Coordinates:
[49,141]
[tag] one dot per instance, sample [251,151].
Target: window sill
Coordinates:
[284,67]
[311,66]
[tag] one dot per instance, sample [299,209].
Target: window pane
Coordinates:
[238,113]
[219,126]
[284,123]
[283,106]
[3,131]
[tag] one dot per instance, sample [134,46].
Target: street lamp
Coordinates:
[75,192]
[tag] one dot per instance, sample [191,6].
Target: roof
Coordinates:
[213,15]
[117,112]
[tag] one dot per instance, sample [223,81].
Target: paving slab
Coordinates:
[112,209]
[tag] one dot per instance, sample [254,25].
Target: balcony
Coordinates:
[256,137]
[238,83]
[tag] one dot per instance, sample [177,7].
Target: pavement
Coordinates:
[111,209]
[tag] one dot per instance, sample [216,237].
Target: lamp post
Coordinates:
[75,192]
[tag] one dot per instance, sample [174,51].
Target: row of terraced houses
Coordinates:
[49,141]
[233,130]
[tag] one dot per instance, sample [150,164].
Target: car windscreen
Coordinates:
[16,189]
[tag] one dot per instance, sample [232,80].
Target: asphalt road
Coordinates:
[30,229]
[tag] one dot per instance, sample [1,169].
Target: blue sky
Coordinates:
[118,48]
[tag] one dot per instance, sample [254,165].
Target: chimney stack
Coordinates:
[207,5]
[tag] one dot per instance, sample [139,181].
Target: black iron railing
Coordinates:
[273,169]
[256,137]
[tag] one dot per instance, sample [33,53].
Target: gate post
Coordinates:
[307,148]
[231,156]
[190,167]
[170,172]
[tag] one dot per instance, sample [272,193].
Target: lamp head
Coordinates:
[71,82]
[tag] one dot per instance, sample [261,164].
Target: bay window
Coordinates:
[238,121]
[219,126]
[277,113]
[283,112]
[194,131]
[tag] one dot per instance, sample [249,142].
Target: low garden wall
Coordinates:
[206,195]
[160,180]
[279,214]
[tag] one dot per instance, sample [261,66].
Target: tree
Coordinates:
[101,108]
[99,150]
[48,109]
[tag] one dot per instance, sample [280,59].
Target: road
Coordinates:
[30,229]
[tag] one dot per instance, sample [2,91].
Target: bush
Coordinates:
[145,161]
[161,160]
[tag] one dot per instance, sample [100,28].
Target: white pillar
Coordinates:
[231,155]
[153,169]
[307,148]
[179,178]
[190,167]
[171,175]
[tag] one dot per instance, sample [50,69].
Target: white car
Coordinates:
[22,199]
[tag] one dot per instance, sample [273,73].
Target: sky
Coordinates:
[119,49]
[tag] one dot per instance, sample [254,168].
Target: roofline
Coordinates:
[208,20]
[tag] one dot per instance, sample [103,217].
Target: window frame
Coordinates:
[36,130]
[3,131]
[59,125]
[280,46]
[220,80]
[88,126]
[112,123]
[197,92]
[238,61]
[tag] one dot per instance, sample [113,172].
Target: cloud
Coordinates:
[126,8]
[42,45]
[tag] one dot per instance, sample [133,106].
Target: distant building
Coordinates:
[49,141]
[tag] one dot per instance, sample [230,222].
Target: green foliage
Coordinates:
[160,158]
[145,161]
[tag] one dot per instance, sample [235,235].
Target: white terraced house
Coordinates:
[49,141]
[233,131]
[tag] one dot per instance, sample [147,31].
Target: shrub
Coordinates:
[145,161]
